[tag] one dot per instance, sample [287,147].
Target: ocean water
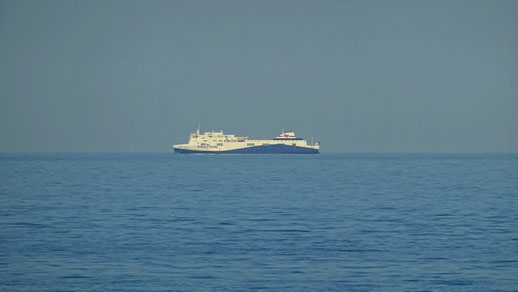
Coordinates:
[347,222]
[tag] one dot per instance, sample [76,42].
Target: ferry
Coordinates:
[218,143]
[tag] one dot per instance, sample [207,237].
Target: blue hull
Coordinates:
[270,149]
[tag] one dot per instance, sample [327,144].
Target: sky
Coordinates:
[358,76]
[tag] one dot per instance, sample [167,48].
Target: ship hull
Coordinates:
[263,149]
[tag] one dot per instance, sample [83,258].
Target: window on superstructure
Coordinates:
[220,144]
[250,144]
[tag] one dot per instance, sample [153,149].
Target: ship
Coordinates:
[219,143]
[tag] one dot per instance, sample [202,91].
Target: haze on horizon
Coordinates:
[360,76]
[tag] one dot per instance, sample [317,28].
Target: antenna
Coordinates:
[198,129]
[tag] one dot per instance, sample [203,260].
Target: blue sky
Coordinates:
[360,76]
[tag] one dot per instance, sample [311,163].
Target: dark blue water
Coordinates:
[350,222]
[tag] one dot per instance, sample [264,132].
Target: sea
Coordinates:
[328,222]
